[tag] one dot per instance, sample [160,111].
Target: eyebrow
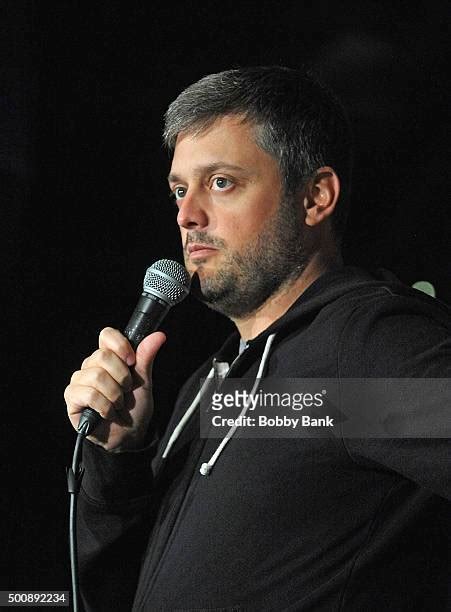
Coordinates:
[213,167]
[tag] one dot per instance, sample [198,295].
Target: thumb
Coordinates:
[145,354]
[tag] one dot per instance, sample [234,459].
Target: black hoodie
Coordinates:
[309,524]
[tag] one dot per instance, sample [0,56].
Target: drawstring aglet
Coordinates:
[205,469]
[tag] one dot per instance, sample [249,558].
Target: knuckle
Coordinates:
[106,332]
[101,354]
[98,376]
[109,337]
[74,377]
[117,397]
[67,394]
[90,360]
[99,357]
[92,395]
[96,400]
[125,380]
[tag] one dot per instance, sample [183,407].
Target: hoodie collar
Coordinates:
[325,289]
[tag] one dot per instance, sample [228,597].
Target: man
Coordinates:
[260,175]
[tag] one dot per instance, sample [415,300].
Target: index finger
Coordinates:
[114,340]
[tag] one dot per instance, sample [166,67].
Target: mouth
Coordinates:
[200,251]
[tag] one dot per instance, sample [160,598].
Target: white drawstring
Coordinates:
[181,424]
[206,468]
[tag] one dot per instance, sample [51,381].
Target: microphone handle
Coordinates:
[146,318]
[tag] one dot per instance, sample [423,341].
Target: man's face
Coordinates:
[238,234]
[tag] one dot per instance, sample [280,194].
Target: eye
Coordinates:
[178,193]
[220,183]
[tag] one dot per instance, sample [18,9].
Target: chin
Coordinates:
[201,268]
[200,274]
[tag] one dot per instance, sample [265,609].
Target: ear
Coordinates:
[321,195]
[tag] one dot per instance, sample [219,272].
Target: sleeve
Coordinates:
[401,337]
[114,517]
[117,508]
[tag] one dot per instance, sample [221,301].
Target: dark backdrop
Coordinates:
[85,206]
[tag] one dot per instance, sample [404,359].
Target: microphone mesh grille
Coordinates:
[168,279]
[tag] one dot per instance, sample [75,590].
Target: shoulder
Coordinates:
[394,330]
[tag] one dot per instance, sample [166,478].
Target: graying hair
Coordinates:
[295,119]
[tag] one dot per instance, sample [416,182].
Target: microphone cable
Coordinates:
[74,478]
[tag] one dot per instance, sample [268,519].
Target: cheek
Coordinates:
[240,228]
[233,230]
[241,216]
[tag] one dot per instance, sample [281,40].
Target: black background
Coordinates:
[85,205]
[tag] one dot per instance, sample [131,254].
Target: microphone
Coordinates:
[165,284]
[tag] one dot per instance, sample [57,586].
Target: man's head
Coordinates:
[283,134]
[294,119]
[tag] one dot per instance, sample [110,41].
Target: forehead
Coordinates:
[229,140]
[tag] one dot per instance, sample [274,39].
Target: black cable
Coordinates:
[74,477]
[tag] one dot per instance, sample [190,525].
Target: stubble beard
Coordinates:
[246,279]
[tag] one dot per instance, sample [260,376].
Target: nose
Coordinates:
[192,211]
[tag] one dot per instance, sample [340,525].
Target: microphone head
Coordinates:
[168,280]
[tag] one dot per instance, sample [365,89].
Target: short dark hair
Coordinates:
[296,120]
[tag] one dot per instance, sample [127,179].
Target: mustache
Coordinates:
[204,238]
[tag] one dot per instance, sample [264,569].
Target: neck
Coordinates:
[277,305]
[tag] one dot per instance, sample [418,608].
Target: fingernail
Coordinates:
[130,360]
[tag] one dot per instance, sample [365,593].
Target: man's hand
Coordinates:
[122,397]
